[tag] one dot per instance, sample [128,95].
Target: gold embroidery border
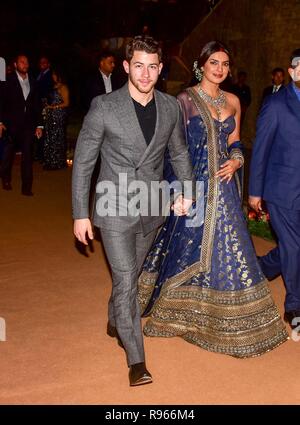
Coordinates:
[232,345]
[243,323]
[212,192]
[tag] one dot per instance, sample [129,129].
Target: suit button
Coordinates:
[137,168]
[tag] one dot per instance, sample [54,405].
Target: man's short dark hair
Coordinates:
[105,54]
[295,54]
[143,43]
[19,54]
[277,69]
[44,57]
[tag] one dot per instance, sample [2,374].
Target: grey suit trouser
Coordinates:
[126,253]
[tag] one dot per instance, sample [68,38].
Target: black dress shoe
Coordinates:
[6,185]
[290,315]
[112,331]
[27,193]
[139,375]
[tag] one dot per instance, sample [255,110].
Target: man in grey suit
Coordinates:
[131,128]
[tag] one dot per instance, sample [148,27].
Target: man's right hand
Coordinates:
[83,227]
[255,203]
[2,128]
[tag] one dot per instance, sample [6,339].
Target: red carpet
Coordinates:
[54,302]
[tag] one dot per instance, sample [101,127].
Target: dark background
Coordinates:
[72,33]
[35,24]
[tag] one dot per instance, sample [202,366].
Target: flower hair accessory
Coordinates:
[197,71]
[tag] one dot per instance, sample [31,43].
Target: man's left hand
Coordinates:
[182,205]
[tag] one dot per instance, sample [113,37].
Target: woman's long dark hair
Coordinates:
[209,49]
[60,74]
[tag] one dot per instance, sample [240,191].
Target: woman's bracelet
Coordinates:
[236,153]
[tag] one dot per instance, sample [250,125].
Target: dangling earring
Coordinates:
[198,72]
[201,72]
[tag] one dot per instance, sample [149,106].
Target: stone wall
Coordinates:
[260,34]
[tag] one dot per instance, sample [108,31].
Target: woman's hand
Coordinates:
[228,169]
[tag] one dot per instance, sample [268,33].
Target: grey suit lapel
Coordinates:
[161,110]
[126,114]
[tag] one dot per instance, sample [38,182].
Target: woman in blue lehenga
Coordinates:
[203,283]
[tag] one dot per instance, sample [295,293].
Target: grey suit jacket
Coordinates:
[111,127]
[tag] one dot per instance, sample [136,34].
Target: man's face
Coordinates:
[107,65]
[294,70]
[278,78]
[22,64]
[143,70]
[44,64]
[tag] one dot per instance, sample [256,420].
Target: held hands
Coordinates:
[228,169]
[255,203]
[181,205]
[83,227]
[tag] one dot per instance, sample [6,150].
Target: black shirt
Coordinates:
[147,118]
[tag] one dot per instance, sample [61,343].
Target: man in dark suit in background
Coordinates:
[277,82]
[2,79]
[44,78]
[45,86]
[20,121]
[243,92]
[104,80]
[275,177]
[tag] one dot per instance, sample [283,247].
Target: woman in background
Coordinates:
[55,146]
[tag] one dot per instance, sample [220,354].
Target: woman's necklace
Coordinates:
[217,103]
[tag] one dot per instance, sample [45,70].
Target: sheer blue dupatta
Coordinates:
[237,151]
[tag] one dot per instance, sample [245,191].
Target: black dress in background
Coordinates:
[55,146]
